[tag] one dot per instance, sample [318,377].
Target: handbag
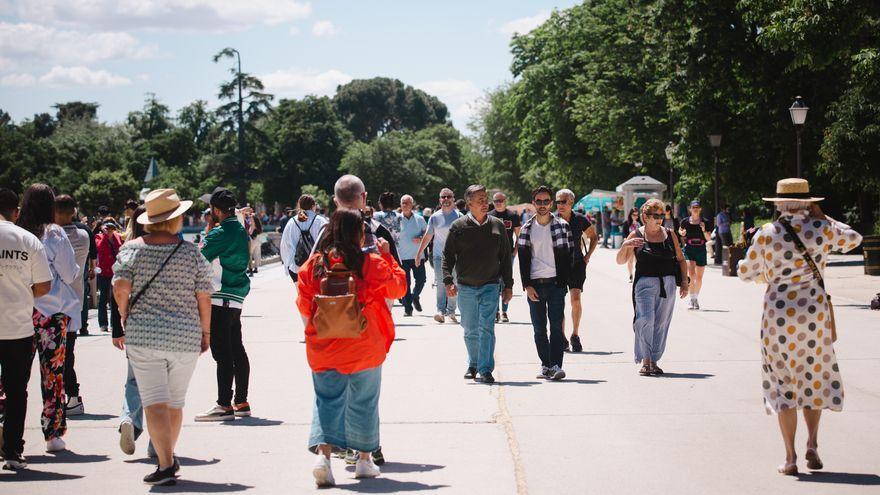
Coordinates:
[136,297]
[813,268]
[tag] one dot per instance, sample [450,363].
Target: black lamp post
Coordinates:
[798,111]
[715,142]
[670,152]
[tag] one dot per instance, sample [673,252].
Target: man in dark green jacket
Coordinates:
[226,247]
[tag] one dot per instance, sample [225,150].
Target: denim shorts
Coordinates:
[162,376]
[346,413]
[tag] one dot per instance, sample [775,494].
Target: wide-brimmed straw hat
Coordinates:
[793,190]
[162,204]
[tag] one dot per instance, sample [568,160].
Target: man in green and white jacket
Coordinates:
[226,247]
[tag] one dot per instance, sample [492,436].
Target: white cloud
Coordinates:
[297,83]
[459,95]
[59,76]
[524,24]
[183,15]
[294,31]
[30,42]
[18,80]
[324,29]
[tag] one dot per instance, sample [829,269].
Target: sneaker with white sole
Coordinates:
[16,463]
[439,318]
[242,410]
[217,413]
[452,318]
[696,304]
[366,468]
[556,373]
[544,373]
[126,437]
[322,472]
[55,445]
[75,406]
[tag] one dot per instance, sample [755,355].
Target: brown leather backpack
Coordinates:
[338,313]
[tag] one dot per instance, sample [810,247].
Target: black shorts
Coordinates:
[293,276]
[578,276]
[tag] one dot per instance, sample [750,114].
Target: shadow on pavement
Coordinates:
[255,421]
[91,417]
[506,384]
[860,306]
[32,475]
[66,457]
[403,467]
[594,353]
[189,486]
[714,311]
[184,461]
[387,485]
[573,380]
[692,376]
[840,478]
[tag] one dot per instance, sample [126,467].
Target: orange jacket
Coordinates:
[382,279]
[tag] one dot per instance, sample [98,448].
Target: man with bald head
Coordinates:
[412,229]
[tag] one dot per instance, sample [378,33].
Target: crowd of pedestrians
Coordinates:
[166,300]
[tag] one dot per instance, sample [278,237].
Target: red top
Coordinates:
[383,279]
[108,247]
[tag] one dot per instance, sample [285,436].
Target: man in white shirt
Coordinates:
[24,275]
[546,251]
[438,230]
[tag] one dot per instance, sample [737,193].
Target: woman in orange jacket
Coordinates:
[347,373]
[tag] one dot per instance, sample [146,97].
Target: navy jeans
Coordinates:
[413,293]
[549,306]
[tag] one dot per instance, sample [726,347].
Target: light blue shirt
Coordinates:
[438,225]
[410,228]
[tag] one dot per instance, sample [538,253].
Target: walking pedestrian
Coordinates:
[630,225]
[52,312]
[88,276]
[162,285]
[298,237]
[670,221]
[108,243]
[798,331]
[254,228]
[606,226]
[582,232]
[659,261]
[512,225]
[723,235]
[65,212]
[389,218]
[26,276]
[347,372]
[412,229]
[226,247]
[288,214]
[438,230]
[693,229]
[477,251]
[546,257]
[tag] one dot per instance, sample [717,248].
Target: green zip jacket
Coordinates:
[226,247]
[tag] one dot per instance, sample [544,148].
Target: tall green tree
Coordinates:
[76,110]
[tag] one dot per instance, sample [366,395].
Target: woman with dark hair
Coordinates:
[630,225]
[305,227]
[52,312]
[347,372]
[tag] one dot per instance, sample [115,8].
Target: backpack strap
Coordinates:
[803,250]
[137,296]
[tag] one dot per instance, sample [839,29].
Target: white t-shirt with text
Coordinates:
[23,263]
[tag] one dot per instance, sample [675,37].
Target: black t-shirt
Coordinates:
[579,223]
[511,221]
[693,233]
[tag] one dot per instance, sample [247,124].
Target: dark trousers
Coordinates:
[228,350]
[725,239]
[16,357]
[105,297]
[71,386]
[87,290]
[549,306]
[413,293]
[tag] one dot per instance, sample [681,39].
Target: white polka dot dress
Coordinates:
[799,366]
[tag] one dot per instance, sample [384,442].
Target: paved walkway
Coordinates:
[605,430]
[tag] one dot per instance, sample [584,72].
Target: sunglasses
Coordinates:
[655,216]
[543,202]
[496,201]
[445,197]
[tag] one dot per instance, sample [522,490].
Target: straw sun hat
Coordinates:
[162,204]
[793,190]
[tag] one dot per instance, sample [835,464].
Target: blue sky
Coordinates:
[114,51]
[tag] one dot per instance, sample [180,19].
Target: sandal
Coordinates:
[814,463]
[646,370]
[788,469]
[657,371]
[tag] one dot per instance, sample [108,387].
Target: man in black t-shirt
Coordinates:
[581,228]
[512,224]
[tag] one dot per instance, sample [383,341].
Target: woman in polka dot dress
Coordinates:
[799,366]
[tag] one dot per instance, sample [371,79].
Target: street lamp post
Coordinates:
[715,142]
[798,112]
[670,151]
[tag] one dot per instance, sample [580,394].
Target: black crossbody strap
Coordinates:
[803,250]
[141,292]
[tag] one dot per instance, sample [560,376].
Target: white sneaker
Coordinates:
[697,304]
[322,473]
[15,464]
[556,373]
[365,468]
[75,406]
[55,445]
[691,305]
[126,437]
[452,318]
[544,374]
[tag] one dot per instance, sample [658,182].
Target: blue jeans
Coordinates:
[653,316]
[105,294]
[445,304]
[478,307]
[132,409]
[412,293]
[346,413]
[549,306]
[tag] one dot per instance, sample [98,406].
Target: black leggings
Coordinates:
[228,350]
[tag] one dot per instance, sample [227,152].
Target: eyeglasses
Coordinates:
[655,216]
[542,202]
[562,201]
[446,197]
[496,201]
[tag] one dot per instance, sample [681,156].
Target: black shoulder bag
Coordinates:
[134,299]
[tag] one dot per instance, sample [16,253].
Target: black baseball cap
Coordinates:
[223,199]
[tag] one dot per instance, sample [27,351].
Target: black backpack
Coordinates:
[305,244]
